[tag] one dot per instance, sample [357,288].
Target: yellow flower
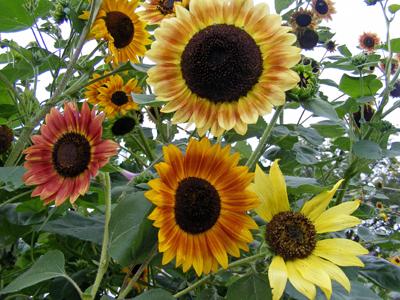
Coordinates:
[118,24]
[395,260]
[222,64]
[201,202]
[299,254]
[156,10]
[115,96]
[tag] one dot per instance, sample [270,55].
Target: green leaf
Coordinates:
[158,294]
[311,135]
[282,4]
[367,149]
[342,143]
[344,51]
[299,185]
[357,87]
[381,272]
[321,108]
[14,17]
[48,266]
[127,233]
[305,155]
[243,148]
[329,128]
[73,224]
[11,177]
[394,8]
[146,99]
[251,287]
[7,110]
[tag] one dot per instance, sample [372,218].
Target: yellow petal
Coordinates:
[311,269]
[262,187]
[313,208]
[277,275]
[279,188]
[337,218]
[342,252]
[336,273]
[302,285]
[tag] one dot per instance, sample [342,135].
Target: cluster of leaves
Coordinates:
[53,252]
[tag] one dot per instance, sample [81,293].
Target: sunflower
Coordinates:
[366,116]
[300,255]
[222,64]
[6,138]
[368,41]
[395,260]
[67,153]
[307,38]
[115,96]
[324,9]
[303,19]
[118,23]
[92,91]
[202,198]
[156,10]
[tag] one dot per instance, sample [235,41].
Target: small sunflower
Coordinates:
[156,10]
[6,138]
[303,19]
[125,124]
[367,115]
[222,64]
[330,46]
[324,9]
[67,153]
[308,85]
[368,41]
[115,96]
[202,198]
[395,92]
[92,91]
[395,260]
[307,38]
[118,23]
[300,255]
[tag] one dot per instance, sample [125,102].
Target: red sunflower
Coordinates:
[67,153]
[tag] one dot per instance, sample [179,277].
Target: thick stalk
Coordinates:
[234,264]
[29,127]
[139,272]
[254,157]
[104,256]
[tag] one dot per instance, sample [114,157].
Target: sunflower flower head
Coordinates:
[300,255]
[303,19]
[157,10]
[201,202]
[324,9]
[366,116]
[92,91]
[307,87]
[222,64]
[368,41]
[395,92]
[330,46]
[118,24]
[114,96]
[395,260]
[6,138]
[307,38]
[66,154]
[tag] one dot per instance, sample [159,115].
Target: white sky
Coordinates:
[353,17]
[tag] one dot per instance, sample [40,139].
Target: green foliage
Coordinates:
[252,287]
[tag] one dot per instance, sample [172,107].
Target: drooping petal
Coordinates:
[277,275]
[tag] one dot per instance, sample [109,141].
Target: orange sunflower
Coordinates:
[324,9]
[202,198]
[368,41]
[118,23]
[67,153]
[92,91]
[156,10]
[300,254]
[115,96]
[222,64]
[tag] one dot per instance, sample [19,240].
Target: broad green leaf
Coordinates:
[251,287]
[208,294]
[141,67]
[344,51]
[282,4]
[126,230]
[7,110]
[329,128]
[49,265]
[342,143]
[358,291]
[299,185]
[328,82]
[305,155]
[243,148]
[146,99]
[11,177]
[357,87]
[381,272]
[73,224]
[367,149]
[395,45]
[14,16]
[394,8]
[153,294]
[310,134]
[321,108]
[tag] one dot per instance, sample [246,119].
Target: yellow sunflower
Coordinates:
[222,64]
[395,260]
[300,255]
[202,198]
[156,10]
[118,23]
[115,96]
[92,91]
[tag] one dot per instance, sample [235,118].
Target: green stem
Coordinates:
[234,264]
[27,130]
[139,272]
[75,285]
[104,257]
[348,175]
[14,198]
[254,157]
